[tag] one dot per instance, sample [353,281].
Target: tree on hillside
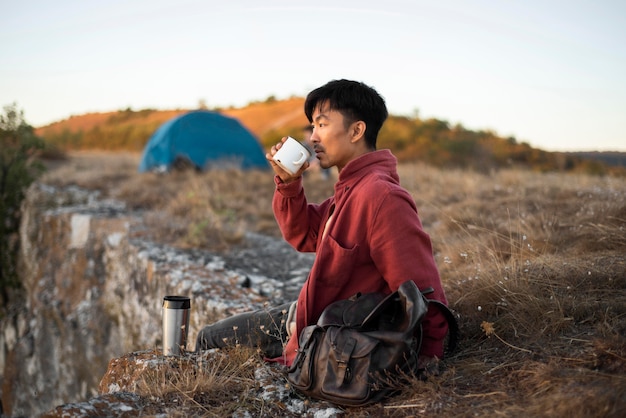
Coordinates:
[18,169]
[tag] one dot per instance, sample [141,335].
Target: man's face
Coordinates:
[330,138]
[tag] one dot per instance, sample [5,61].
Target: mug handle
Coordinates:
[301,159]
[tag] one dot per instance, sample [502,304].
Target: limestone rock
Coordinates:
[93,289]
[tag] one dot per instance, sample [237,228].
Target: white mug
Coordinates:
[291,155]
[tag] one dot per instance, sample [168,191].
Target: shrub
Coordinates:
[19,167]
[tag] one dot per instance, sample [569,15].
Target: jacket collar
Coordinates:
[381,161]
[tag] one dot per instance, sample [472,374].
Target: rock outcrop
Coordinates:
[93,292]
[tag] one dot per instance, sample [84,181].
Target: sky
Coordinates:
[551,73]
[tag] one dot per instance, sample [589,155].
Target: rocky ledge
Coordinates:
[93,292]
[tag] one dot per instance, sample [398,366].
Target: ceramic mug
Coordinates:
[291,155]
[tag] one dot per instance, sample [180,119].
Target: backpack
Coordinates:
[362,346]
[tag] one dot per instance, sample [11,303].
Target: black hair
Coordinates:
[355,101]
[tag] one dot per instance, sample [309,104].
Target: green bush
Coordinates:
[19,166]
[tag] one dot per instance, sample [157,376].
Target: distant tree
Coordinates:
[18,169]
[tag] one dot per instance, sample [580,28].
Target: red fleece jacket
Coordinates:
[373,243]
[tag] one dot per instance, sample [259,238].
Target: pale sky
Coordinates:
[548,72]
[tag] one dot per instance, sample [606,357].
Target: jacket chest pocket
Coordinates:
[336,263]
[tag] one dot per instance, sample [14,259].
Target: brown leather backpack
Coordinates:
[362,347]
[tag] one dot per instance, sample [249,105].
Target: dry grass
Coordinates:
[535,264]
[204,384]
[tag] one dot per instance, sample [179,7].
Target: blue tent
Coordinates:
[205,139]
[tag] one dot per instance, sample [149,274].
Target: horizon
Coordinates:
[550,75]
[261,100]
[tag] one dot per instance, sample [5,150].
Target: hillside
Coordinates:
[260,118]
[610,158]
[532,263]
[433,141]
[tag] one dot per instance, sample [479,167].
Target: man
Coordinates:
[367,236]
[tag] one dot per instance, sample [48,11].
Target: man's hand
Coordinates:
[285,176]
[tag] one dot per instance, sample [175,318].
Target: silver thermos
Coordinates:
[175,324]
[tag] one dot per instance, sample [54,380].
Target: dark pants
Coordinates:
[265,329]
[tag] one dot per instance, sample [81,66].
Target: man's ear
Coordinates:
[357,130]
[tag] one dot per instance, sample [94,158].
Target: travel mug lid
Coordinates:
[176,302]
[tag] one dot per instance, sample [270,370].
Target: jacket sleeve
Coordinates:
[299,221]
[402,251]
